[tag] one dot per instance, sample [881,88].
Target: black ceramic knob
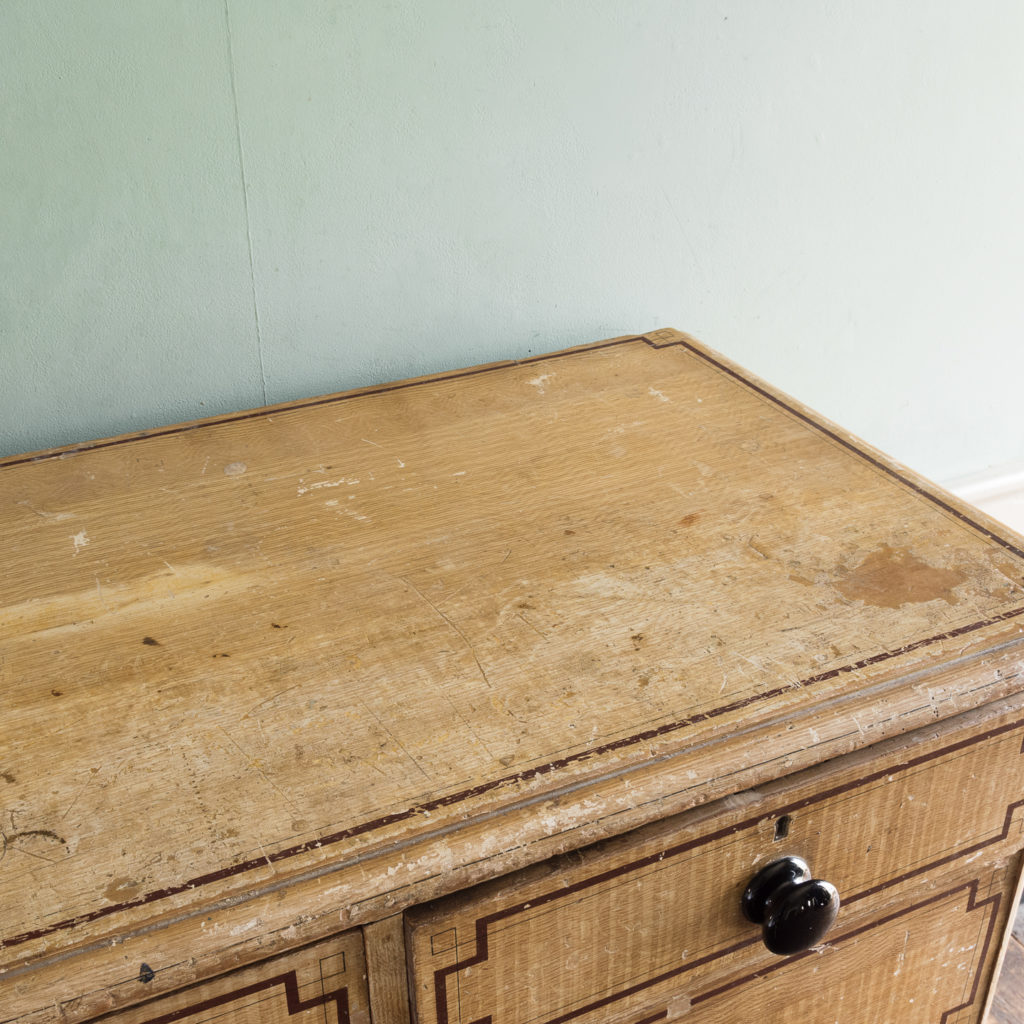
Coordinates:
[794,910]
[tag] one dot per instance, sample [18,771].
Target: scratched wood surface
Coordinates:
[922,840]
[351,643]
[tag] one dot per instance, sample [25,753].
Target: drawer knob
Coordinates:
[794,910]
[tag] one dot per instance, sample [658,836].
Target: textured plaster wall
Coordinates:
[207,205]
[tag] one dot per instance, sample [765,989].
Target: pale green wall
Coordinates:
[206,206]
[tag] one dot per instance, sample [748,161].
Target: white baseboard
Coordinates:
[998,491]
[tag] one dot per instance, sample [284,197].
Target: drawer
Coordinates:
[324,983]
[919,963]
[927,825]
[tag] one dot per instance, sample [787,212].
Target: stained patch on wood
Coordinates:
[121,889]
[891,577]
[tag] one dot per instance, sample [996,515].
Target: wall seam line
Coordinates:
[245,205]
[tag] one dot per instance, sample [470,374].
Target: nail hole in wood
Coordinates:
[782,827]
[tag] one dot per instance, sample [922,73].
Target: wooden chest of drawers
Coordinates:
[484,697]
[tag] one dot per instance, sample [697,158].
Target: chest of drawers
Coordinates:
[484,697]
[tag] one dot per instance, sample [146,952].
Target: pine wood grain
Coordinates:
[386,970]
[273,675]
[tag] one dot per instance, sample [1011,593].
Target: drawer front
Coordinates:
[654,916]
[321,984]
[923,963]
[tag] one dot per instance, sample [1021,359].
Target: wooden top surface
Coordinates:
[235,652]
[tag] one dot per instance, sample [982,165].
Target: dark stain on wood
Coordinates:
[150,642]
[891,577]
[38,833]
